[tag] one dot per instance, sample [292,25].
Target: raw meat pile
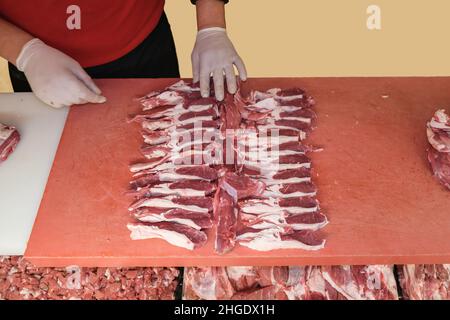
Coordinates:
[9,138]
[20,280]
[425,281]
[438,132]
[237,165]
[290,283]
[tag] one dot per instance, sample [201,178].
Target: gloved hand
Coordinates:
[214,53]
[55,78]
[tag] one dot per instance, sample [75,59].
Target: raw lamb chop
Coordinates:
[9,138]
[438,132]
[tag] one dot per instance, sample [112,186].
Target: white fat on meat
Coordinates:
[182,86]
[5,132]
[149,165]
[270,239]
[257,206]
[140,169]
[179,109]
[438,131]
[277,220]
[255,142]
[142,232]
[350,289]
[168,123]
[183,152]
[164,189]
[274,93]
[275,116]
[270,181]
[155,140]
[152,218]
[166,202]
[173,176]
[264,155]
[174,134]
[168,97]
[275,167]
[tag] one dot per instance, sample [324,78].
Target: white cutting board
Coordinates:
[24,174]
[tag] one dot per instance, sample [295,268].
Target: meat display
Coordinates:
[425,281]
[375,282]
[9,138]
[239,168]
[438,133]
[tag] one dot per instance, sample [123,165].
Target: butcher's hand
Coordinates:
[215,54]
[55,78]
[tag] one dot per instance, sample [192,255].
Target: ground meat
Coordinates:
[19,280]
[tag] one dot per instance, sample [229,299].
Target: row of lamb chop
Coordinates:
[239,165]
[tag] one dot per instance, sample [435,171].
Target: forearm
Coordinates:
[12,40]
[210,13]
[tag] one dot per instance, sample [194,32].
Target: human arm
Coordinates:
[213,52]
[55,78]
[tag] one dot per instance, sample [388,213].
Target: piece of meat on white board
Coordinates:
[373,282]
[9,138]
[438,133]
[425,281]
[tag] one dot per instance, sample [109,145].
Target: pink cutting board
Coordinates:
[374,181]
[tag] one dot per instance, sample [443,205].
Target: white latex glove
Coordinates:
[55,78]
[215,54]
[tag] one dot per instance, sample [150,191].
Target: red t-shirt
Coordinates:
[107,29]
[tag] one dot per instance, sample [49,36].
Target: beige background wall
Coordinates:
[324,37]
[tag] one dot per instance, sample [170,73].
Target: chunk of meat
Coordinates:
[226,214]
[174,233]
[275,239]
[196,220]
[425,281]
[195,204]
[438,131]
[440,164]
[362,282]
[292,283]
[9,138]
[240,187]
[183,188]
